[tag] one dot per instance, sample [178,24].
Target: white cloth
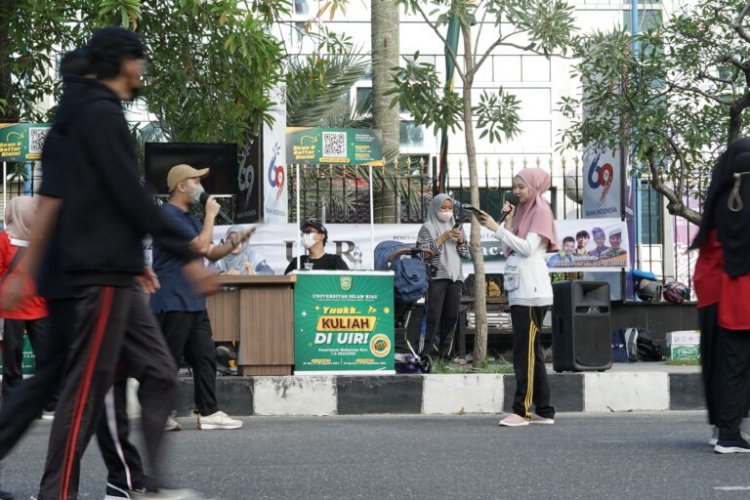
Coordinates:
[534,284]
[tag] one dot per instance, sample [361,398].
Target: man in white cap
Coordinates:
[182,313]
[615,251]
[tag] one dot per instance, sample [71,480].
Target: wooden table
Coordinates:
[257,312]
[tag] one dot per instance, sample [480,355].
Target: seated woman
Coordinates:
[243,260]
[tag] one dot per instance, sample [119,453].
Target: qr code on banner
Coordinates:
[334,144]
[37,136]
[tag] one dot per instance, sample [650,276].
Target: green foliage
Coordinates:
[212,75]
[211,68]
[677,104]
[318,91]
[497,115]
[420,91]
[544,26]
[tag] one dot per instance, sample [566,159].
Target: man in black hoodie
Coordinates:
[24,405]
[103,218]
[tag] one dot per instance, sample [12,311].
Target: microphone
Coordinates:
[503,215]
[204,199]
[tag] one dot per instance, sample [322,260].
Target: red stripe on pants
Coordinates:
[83,392]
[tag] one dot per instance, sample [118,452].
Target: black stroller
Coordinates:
[410,283]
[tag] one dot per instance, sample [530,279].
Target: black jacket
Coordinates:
[106,211]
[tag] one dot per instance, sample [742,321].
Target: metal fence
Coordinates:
[402,193]
[403,190]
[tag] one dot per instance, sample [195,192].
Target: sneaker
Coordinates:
[48,415]
[6,495]
[218,420]
[736,446]
[538,419]
[714,437]
[114,492]
[169,494]
[172,425]
[513,420]
[745,429]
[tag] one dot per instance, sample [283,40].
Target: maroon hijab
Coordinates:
[535,216]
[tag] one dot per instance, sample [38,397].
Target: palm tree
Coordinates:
[319,95]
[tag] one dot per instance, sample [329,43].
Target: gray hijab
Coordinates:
[449,258]
[237,261]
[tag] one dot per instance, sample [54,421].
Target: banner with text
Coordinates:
[277,244]
[343,322]
[22,141]
[345,146]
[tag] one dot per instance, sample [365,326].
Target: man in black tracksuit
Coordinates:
[103,218]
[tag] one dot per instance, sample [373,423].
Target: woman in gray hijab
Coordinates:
[447,240]
[243,260]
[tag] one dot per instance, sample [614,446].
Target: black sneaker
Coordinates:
[115,492]
[733,446]
[6,495]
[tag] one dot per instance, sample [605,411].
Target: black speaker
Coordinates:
[581,326]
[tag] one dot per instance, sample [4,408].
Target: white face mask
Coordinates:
[445,216]
[195,195]
[308,240]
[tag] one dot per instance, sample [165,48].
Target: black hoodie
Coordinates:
[106,212]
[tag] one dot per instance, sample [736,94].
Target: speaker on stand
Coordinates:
[581,326]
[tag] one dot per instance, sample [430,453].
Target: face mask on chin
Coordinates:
[444,216]
[308,240]
[195,195]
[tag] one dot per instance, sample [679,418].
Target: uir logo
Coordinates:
[380,345]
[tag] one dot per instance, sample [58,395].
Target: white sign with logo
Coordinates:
[274,168]
[602,183]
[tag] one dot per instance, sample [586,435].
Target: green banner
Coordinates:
[343,322]
[22,141]
[347,146]
[28,361]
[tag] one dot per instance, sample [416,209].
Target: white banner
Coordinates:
[277,243]
[274,168]
[602,186]
[590,245]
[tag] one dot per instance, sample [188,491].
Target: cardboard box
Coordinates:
[684,344]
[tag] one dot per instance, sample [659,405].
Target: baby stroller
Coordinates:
[410,283]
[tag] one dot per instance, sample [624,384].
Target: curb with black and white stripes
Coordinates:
[444,394]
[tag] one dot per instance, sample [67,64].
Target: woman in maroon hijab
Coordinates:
[528,235]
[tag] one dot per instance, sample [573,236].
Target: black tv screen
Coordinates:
[221,158]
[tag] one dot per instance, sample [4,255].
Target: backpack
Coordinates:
[619,350]
[641,346]
[410,280]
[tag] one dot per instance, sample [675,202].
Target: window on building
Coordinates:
[650,220]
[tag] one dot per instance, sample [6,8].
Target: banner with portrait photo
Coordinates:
[275,244]
[590,245]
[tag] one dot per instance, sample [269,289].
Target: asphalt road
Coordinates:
[611,456]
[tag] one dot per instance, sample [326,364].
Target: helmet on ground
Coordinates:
[649,290]
[676,292]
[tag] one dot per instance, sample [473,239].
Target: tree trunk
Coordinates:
[385,49]
[7,12]
[480,287]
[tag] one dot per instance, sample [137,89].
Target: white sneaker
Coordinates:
[513,420]
[218,420]
[745,429]
[169,494]
[48,415]
[171,424]
[714,437]
[538,419]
